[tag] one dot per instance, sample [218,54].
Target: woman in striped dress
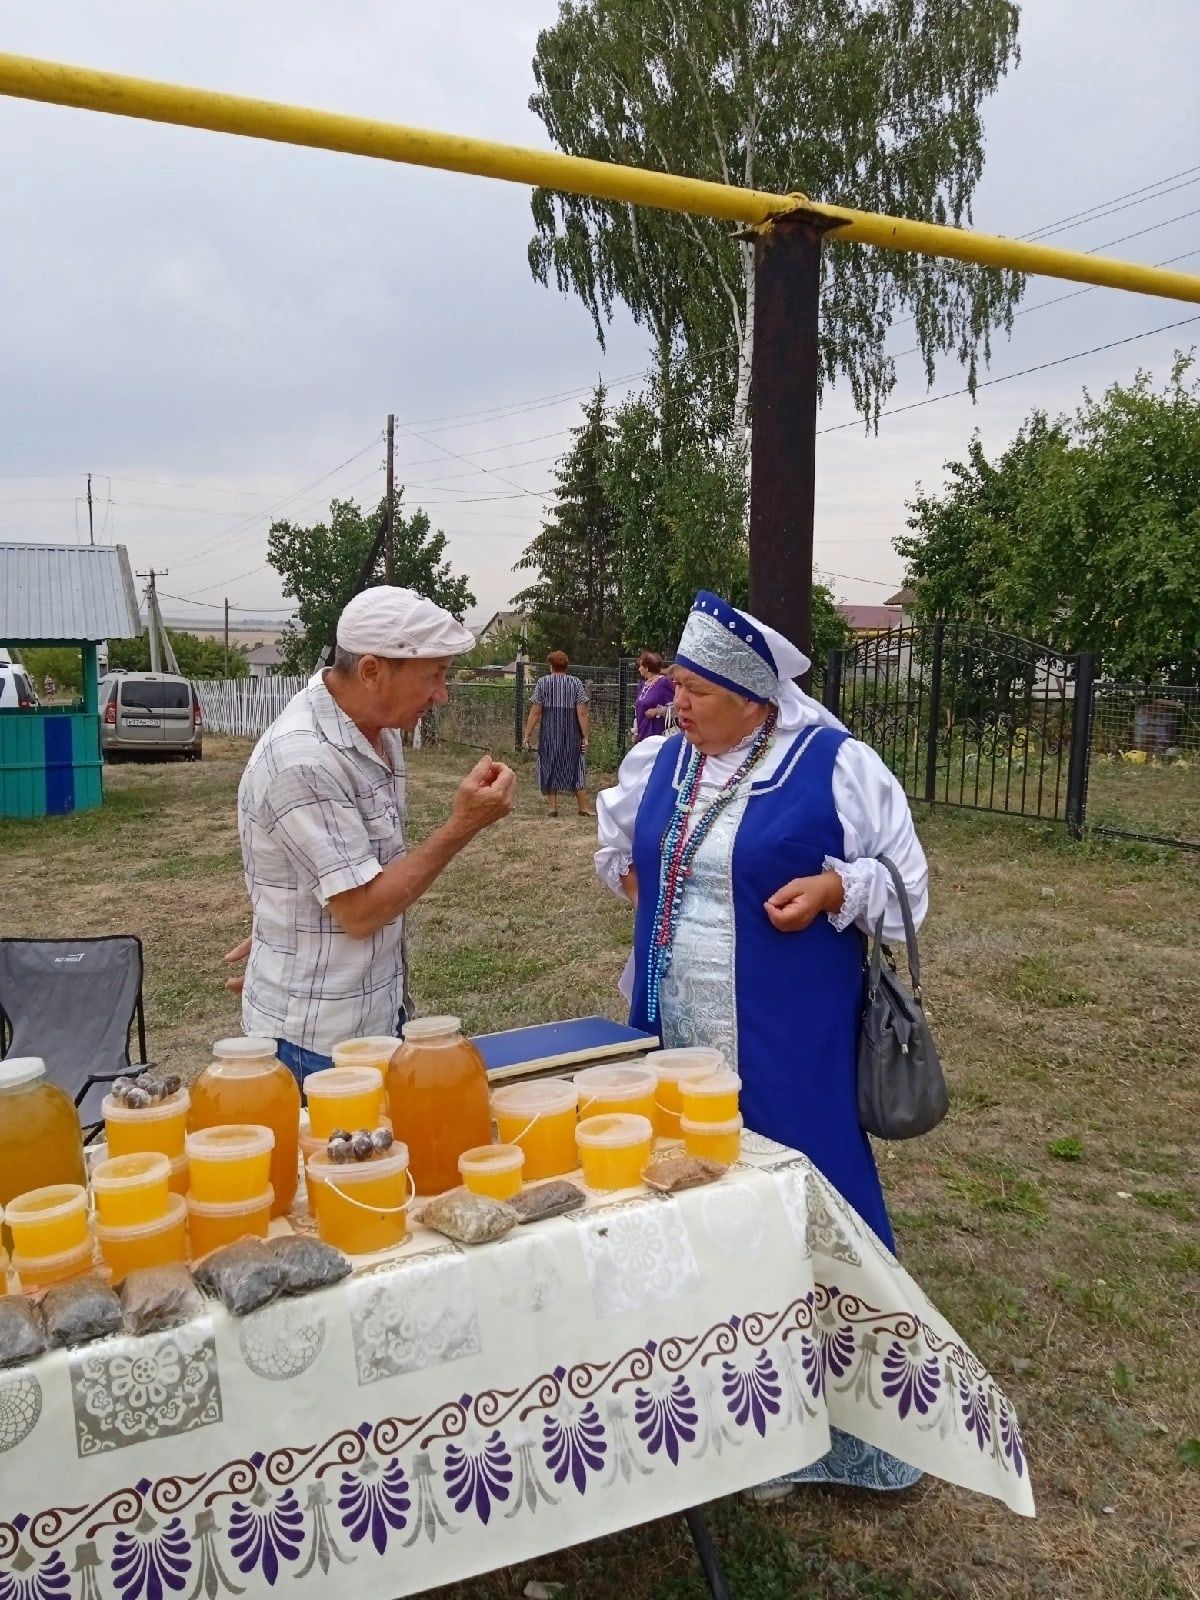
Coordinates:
[559,709]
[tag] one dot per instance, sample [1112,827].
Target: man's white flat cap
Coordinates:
[401,624]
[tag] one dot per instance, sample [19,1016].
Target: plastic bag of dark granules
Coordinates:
[242,1276]
[307,1263]
[80,1311]
[153,1298]
[21,1336]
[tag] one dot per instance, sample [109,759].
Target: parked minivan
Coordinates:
[16,688]
[149,714]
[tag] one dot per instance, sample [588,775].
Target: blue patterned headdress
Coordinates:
[733,649]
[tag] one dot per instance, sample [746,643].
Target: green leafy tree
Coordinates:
[869,103]
[61,662]
[575,602]
[320,566]
[501,650]
[1084,533]
[197,658]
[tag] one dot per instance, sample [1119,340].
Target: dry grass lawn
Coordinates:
[1053,1218]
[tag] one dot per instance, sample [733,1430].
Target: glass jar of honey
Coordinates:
[438,1096]
[40,1138]
[246,1084]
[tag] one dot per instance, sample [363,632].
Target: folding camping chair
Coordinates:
[74,1002]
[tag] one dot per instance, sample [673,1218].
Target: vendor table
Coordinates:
[445,1412]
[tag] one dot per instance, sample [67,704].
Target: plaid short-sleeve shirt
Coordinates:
[319,812]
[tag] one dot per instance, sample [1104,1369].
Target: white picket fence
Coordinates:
[244,707]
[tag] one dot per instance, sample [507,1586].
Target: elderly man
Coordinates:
[321,816]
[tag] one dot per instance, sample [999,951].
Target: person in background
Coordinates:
[653,698]
[559,714]
[321,809]
[748,844]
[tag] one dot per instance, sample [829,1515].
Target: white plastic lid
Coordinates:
[543,1097]
[423,1029]
[734,1125]
[492,1158]
[713,1083]
[393,1163]
[614,1083]
[49,1204]
[615,1130]
[80,1256]
[352,1051]
[173,1217]
[341,1083]
[112,1110]
[229,1141]
[246,1049]
[232,1208]
[133,1171]
[18,1070]
[675,1065]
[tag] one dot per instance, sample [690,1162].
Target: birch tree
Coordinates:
[869,103]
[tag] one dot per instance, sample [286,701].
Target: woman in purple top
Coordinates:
[655,695]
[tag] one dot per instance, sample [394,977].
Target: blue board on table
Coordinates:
[558,1044]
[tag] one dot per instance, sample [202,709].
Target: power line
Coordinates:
[1007,377]
[1105,207]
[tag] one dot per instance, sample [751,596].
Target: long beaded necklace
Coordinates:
[680,847]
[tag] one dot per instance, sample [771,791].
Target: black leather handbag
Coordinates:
[901,1088]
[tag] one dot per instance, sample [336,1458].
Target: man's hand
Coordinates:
[485,795]
[801,901]
[240,952]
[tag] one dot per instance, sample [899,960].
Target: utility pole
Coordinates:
[159,644]
[226,635]
[91,528]
[389,547]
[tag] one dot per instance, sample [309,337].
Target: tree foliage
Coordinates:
[197,658]
[868,103]
[665,516]
[575,604]
[320,567]
[1084,533]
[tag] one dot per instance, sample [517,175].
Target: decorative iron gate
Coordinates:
[969,716]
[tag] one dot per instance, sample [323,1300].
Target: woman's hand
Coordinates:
[240,952]
[800,902]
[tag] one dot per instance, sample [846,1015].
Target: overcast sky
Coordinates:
[213,326]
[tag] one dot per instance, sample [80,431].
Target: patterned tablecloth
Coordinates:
[447,1412]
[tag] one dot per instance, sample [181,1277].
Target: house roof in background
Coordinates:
[266,655]
[903,597]
[66,592]
[870,619]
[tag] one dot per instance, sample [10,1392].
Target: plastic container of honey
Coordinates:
[361,1206]
[40,1138]
[230,1162]
[622,1091]
[717,1141]
[540,1117]
[160,1126]
[178,1178]
[613,1149]
[43,1272]
[672,1069]
[213,1223]
[50,1221]
[368,1052]
[129,1190]
[156,1243]
[711,1099]
[438,1097]
[343,1097]
[245,1083]
[493,1170]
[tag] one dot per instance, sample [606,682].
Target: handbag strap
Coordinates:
[910,933]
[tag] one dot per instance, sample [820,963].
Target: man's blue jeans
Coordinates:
[301,1062]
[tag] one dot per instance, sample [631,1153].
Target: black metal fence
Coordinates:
[968,716]
[1143,777]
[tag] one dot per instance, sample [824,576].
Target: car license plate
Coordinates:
[142,722]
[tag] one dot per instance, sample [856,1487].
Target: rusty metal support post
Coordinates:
[783,397]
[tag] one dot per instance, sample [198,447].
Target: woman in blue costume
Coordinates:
[747,843]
